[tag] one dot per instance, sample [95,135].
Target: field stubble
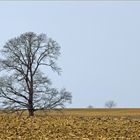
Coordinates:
[73,124]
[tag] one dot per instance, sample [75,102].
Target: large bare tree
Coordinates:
[23,84]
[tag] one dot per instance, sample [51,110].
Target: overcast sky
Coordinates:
[100,46]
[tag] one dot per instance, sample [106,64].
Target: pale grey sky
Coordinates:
[100,46]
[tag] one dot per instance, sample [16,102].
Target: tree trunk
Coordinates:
[31,112]
[30,103]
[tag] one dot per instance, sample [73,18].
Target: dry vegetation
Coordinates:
[73,124]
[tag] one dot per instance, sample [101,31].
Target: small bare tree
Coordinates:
[110,104]
[90,106]
[22,82]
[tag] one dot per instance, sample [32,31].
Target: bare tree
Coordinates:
[110,104]
[22,82]
[90,106]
